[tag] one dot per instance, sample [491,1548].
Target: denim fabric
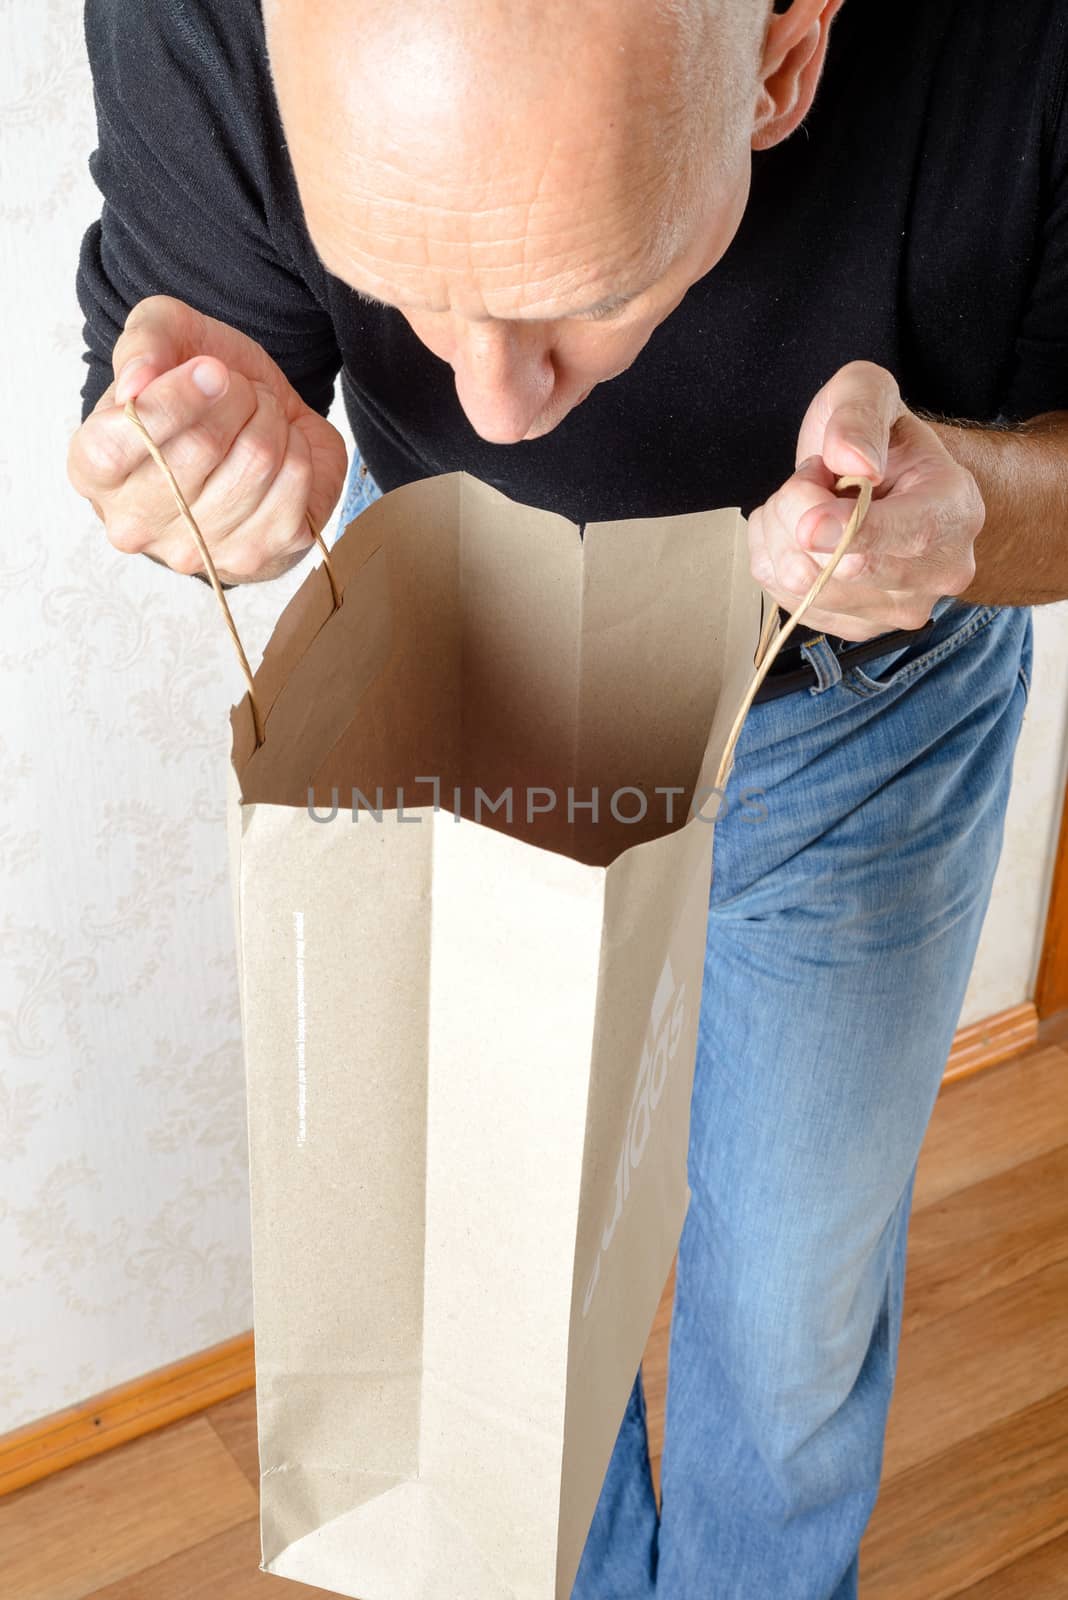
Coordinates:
[843,922]
[842,930]
[361,491]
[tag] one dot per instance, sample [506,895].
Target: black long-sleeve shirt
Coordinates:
[919,219]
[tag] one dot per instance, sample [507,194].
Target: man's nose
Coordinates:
[504,378]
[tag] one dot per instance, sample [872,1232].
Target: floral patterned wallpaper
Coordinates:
[123,1201]
[123,1194]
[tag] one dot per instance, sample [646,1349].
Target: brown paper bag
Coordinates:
[470,1027]
[470,1042]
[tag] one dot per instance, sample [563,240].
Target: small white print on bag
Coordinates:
[667,1015]
[302,1077]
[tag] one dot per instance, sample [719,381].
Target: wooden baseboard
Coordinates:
[992,1041]
[188,1386]
[124,1413]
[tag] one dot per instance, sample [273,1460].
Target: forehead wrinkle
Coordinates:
[564,274]
[500,239]
[632,184]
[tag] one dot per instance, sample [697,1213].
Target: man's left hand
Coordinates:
[917,541]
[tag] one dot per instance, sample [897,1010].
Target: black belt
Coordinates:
[791,671]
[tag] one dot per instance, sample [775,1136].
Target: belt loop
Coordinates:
[823,661]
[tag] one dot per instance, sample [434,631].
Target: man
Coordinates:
[536,240]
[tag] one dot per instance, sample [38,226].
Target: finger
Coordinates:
[849,421]
[816,621]
[853,591]
[141,513]
[900,599]
[801,503]
[808,491]
[819,532]
[881,613]
[267,543]
[158,335]
[917,539]
[236,489]
[108,450]
[278,533]
[794,571]
[865,403]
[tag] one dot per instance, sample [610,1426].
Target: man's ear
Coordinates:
[795,45]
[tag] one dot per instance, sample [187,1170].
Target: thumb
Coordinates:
[157,337]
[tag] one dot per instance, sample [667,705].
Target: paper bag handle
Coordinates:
[205,554]
[768,647]
[770,644]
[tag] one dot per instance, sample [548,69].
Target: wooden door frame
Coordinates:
[1051,988]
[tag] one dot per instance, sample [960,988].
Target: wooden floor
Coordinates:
[975,1496]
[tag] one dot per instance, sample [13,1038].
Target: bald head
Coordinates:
[489,164]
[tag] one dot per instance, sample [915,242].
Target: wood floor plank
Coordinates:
[975,1497]
[223,1568]
[1043,1575]
[235,1423]
[970,1370]
[988,1123]
[972,1510]
[987,1236]
[111,1517]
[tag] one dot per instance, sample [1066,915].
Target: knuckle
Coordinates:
[960,576]
[194,451]
[125,532]
[164,413]
[186,560]
[295,476]
[795,573]
[856,564]
[255,458]
[99,457]
[916,615]
[267,402]
[247,561]
[152,308]
[871,374]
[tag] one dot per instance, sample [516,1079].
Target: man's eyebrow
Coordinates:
[614,302]
[603,308]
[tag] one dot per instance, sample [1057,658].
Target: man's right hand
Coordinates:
[253,461]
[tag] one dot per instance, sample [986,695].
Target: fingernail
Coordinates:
[865,448]
[827,535]
[210,379]
[125,375]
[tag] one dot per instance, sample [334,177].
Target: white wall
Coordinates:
[123,1231]
[1006,964]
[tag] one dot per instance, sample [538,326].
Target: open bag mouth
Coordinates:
[489,660]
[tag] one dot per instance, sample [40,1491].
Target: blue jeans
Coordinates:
[361,491]
[841,935]
[842,929]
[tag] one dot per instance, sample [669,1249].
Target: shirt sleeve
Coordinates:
[1039,375]
[199,199]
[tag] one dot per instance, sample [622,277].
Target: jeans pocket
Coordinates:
[958,623]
